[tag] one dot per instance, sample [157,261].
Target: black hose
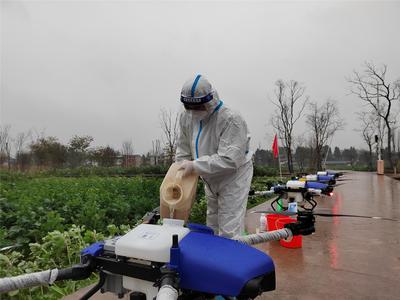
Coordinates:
[77,272]
[97,287]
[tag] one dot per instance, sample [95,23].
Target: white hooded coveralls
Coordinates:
[218,142]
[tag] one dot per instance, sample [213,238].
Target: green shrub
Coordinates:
[105,171]
[29,208]
[199,211]
[55,250]
[265,171]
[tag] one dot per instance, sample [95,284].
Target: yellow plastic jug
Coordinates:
[177,194]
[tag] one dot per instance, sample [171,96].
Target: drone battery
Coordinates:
[326,178]
[316,185]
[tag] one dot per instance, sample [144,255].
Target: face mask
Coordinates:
[199,114]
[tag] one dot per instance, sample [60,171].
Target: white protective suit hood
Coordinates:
[197,91]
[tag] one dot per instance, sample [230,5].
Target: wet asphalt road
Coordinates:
[347,258]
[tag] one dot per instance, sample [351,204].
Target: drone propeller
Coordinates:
[9,248]
[283,213]
[271,183]
[344,179]
[289,213]
[355,216]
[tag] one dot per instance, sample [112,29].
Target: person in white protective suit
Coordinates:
[214,143]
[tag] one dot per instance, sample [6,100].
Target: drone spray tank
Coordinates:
[293,187]
[148,243]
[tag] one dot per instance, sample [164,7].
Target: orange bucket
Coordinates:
[272,221]
[293,242]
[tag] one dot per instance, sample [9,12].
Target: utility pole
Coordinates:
[327,152]
[379,123]
[154,153]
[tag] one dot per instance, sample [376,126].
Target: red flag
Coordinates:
[275,148]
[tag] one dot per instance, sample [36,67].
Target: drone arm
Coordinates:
[263,237]
[261,193]
[169,282]
[167,292]
[28,280]
[97,287]
[77,272]
[264,193]
[303,226]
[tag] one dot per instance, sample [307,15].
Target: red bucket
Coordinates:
[272,221]
[293,242]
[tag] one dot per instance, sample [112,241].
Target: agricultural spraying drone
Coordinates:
[327,177]
[171,261]
[298,192]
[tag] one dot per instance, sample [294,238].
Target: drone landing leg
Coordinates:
[97,287]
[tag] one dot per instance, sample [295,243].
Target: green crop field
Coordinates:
[49,219]
[31,207]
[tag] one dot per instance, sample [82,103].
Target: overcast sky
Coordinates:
[106,68]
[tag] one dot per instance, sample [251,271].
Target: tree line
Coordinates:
[303,159]
[379,124]
[379,119]
[33,149]
[49,152]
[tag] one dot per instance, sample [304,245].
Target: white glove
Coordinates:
[187,168]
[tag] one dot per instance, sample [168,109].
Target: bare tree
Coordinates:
[5,145]
[372,87]
[323,121]
[368,131]
[398,149]
[37,135]
[127,151]
[169,126]
[21,156]
[156,151]
[303,153]
[290,102]
[20,141]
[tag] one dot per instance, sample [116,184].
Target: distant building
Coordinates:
[134,160]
